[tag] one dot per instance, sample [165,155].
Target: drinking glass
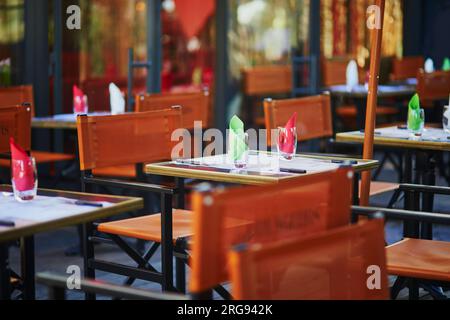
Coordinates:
[24,179]
[240,150]
[416,121]
[287,143]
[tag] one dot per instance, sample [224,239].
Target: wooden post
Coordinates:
[376,39]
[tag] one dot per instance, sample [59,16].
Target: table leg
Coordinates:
[28,268]
[5,291]
[361,105]
[181,203]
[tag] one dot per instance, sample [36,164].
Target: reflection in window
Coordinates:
[264,31]
[12,25]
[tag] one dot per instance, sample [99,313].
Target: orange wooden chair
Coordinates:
[417,262]
[334,265]
[196,106]
[406,68]
[263,81]
[313,122]
[433,87]
[15,122]
[222,219]
[106,141]
[24,94]
[334,73]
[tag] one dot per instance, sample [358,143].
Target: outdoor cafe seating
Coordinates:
[242,150]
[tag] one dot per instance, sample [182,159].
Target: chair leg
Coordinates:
[394,199]
[88,255]
[398,286]
[413,290]
[166,243]
[180,267]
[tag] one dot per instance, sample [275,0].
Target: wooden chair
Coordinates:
[263,81]
[313,122]
[334,73]
[222,219]
[416,261]
[15,122]
[433,87]
[24,94]
[333,265]
[406,68]
[118,140]
[196,106]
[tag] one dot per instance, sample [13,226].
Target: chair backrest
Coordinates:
[132,138]
[406,67]
[302,206]
[433,86]
[334,265]
[15,122]
[314,116]
[195,105]
[13,96]
[334,71]
[266,80]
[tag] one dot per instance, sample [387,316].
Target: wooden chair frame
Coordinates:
[144,270]
[205,274]
[420,219]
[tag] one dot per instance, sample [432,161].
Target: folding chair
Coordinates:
[196,106]
[24,94]
[262,81]
[406,68]
[416,261]
[222,219]
[334,265]
[15,122]
[135,138]
[313,122]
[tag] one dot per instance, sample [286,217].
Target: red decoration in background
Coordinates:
[193,14]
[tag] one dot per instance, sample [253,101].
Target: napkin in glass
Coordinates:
[237,139]
[22,167]
[116,99]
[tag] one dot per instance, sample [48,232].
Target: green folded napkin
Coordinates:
[446,65]
[237,139]
[414,120]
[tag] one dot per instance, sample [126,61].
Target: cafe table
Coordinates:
[263,168]
[421,151]
[359,95]
[60,121]
[49,211]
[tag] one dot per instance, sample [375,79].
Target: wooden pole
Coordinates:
[376,39]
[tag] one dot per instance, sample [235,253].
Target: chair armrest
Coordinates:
[405,215]
[58,285]
[132,185]
[424,189]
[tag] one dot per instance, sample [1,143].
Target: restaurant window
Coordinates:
[344,31]
[12,32]
[188,44]
[264,32]
[97,54]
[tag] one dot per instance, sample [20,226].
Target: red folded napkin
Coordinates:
[288,138]
[22,168]
[79,101]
